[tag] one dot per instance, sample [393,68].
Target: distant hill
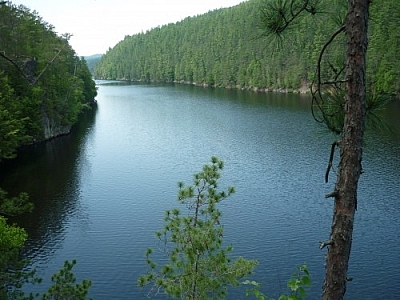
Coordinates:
[221,48]
[92,61]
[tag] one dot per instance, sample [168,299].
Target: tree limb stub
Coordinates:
[331,195]
[325,243]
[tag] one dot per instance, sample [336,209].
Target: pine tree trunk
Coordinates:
[350,152]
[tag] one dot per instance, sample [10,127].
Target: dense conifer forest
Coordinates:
[228,48]
[44,85]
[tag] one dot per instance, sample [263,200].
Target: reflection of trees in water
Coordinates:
[50,173]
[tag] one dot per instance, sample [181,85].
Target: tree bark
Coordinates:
[356,27]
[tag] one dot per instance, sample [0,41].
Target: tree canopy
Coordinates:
[44,85]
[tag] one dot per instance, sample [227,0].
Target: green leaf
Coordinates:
[305,280]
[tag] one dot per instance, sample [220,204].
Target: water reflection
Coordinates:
[52,166]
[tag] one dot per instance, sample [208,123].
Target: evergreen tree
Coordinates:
[199,265]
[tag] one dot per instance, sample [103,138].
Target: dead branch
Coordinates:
[316,95]
[325,243]
[331,195]
[334,35]
[47,65]
[328,169]
[2,54]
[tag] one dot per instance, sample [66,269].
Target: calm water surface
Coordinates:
[101,192]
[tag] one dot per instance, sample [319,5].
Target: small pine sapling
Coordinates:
[199,265]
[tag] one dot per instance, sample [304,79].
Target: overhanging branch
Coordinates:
[334,35]
[316,96]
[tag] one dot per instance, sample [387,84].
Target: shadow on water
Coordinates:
[52,165]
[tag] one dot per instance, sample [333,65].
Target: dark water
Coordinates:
[101,192]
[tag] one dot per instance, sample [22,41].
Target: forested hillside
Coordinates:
[43,84]
[225,48]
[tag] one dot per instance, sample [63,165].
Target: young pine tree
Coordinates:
[199,265]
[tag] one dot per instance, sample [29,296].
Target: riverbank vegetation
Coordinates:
[44,86]
[222,48]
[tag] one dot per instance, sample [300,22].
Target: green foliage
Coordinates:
[12,238]
[199,266]
[13,273]
[65,287]
[254,290]
[43,84]
[15,205]
[12,121]
[333,111]
[329,79]
[297,285]
[12,268]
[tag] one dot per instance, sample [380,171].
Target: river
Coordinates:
[101,192]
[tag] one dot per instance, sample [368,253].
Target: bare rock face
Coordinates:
[29,66]
[52,128]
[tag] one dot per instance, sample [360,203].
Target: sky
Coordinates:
[98,25]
